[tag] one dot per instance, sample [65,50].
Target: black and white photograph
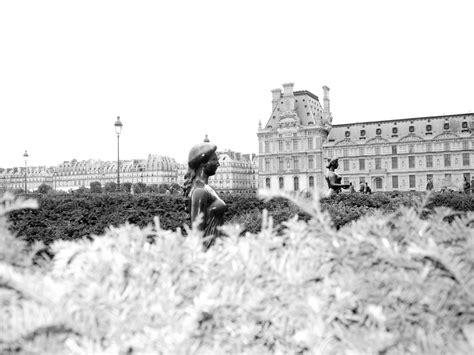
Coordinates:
[237,177]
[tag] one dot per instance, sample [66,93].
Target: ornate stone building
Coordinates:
[237,173]
[291,142]
[403,154]
[389,155]
[71,175]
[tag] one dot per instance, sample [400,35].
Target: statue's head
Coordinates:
[201,154]
[333,163]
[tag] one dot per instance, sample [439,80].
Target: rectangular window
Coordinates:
[411,162]
[429,148]
[412,181]
[395,182]
[361,179]
[310,143]
[281,164]
[267,147]
[447,160]
[296,164]
[468,177]
[394,162]
[280,146]
[346,180]
[345,152]
[466,161]
[310,162]
[378,163]
[411,148]
[447,177]
[346,164]
[362,151]
[446,145]
[377,150]
[361,164]
[429,161]
[295,144]
[465,145]
[394,150]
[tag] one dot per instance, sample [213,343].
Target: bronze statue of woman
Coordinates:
[333,179]
[201,198]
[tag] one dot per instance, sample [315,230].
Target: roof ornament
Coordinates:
[206,139]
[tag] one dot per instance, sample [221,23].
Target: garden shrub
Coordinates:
[73,216]
[387,284]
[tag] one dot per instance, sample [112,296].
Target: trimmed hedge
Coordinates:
[72,216]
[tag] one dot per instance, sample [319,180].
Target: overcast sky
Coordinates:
[177,70]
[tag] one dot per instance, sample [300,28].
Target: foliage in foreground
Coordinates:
[389,284]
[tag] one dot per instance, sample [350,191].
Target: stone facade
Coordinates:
[291,142]
[389,155]
[237,173]
[71,175]
[403,154]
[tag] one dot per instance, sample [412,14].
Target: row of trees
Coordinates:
[96,187]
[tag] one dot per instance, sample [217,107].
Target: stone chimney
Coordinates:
[326,99]
[288,89]
[276,95]
[327,117]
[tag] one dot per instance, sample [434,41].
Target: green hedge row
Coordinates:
[72,216]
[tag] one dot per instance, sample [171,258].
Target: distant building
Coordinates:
[237,173]
[71,175]
[299,138]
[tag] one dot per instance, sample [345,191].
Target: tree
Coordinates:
[110,187]
[163,188]
[96,187]
[44,189]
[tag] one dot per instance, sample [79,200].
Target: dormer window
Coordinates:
[446,126]
[378,131]
[464,125]
[411,129]
[348,134]
[428,128]
[394,130]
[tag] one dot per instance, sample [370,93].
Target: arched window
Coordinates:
[267,183]
[281,182]
[296,183]
[311,181]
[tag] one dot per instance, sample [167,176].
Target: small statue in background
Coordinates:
[201,198]
[333,179]
[429,185]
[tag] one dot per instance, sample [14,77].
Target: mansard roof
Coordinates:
[403,119]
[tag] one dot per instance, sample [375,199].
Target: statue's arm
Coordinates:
[199,204]
[332,182]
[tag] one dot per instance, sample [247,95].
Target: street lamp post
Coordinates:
[118,130]
[26,173]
